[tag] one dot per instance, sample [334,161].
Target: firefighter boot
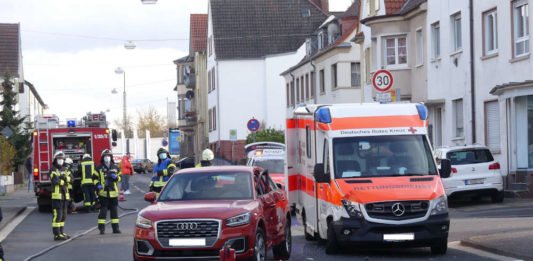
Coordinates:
[115,229]
[57,235]
[101,227]
[67,236]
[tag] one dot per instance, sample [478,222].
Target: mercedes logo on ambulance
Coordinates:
[398,209]
[187,226]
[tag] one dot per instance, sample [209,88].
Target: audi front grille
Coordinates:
[188,229]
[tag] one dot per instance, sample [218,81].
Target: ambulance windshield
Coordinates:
[382,156]
[273,165]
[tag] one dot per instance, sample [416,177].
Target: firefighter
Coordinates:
[207,159]
[60,179]
[87,173]
[108,175]
[68,168]
[162,170]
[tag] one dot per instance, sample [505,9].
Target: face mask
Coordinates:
[107,159]
[162,156]
[60,162]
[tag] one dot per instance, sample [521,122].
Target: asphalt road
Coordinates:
[34,234]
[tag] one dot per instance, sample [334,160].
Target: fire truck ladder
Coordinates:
[44,155]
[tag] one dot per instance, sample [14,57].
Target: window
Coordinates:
[356,74]
[302,89]
[334,76]
[288,95]
[210,116]
[293,97]
[419,47]
[435,40]
[209,81]
[456,30]
[313,85]
[458,114]
[306,86]
[322,81]
[490,33]
[492,126]
[521,27]
[210,46]
[297,90]
[308,142]
[215,118]
[368,74]
[320,39]
[326,157]
[213,78]
[395,50]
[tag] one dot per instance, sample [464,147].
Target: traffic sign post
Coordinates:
[382,80]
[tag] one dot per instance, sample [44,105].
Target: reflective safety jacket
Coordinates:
[59,178]
[88,170]
[162,172]
[109,185]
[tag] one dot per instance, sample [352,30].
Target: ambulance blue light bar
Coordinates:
[71,123]
[323,115]
[422,111]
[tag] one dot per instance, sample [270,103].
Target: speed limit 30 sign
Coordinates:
[382,80]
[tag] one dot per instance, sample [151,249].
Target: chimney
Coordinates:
[322,4]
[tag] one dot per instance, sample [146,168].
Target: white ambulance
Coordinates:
[364,175]
[268,155]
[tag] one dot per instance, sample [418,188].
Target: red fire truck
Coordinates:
[90,135]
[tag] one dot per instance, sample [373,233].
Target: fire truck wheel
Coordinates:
[332,246]
[283,250]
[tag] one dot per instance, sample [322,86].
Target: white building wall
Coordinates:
[449,76]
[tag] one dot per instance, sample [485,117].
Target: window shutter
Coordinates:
[492,126]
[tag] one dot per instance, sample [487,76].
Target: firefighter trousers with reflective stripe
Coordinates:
[111,204]
[59,211]
[89,195]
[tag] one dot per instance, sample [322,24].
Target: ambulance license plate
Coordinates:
[399,237]
[186,242]
[473,181]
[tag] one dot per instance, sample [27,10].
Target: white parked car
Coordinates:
[474,172]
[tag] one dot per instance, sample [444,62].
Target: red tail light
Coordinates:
[454,170]
[494,166]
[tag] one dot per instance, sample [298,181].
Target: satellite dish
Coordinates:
[189,95]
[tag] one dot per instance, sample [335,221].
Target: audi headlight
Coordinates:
[239,220]
[352,208]
[143,222]
[440,206]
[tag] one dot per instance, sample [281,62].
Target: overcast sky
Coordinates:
[71,48]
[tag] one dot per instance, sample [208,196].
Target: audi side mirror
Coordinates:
[150,197]
[445,168]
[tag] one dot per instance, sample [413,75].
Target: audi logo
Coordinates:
[187,226]
[398,209]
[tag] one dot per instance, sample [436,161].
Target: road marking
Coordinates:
[457,245]
[139,189]
[14,223]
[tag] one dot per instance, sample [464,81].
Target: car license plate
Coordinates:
[399,237]
[473,181]
[187,242]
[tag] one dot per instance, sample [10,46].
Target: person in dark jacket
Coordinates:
[163,170]
[59,178]
[107,177]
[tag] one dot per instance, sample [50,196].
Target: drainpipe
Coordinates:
[314,73]
[472,72]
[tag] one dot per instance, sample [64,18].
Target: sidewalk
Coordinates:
[514,243]
[15,203]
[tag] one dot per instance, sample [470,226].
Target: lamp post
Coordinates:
[121,71]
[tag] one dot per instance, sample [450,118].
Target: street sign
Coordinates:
[164,142]
[253,125]
[233,135]
[382,80]
[383,97]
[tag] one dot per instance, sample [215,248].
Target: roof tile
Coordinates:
[198,32]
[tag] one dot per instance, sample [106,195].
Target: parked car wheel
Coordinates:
[260,248]
[283,250]
[440,247]
[498,197]
[332,246]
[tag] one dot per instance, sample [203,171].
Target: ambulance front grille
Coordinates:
[397,210]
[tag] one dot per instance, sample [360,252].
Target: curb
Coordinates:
[6,222]
[470,243]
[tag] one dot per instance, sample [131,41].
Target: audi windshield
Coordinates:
[208,186]
[382,156]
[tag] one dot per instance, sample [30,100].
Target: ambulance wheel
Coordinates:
[283,250]
[332,246]
[440,247]
[308,236]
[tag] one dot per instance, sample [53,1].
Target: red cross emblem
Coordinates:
[412,130]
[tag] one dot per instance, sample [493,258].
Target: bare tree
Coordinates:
[128,128]
[153,121]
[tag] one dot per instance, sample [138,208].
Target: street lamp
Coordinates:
[121,71]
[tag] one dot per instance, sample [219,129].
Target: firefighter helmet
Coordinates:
[162,150]
[86,157]
[69,161]
[59,154]
[208,155]
[107,152]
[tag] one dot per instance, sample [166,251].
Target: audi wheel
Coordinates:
[260,248]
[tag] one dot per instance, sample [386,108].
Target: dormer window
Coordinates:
[308,48]
[321,43]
